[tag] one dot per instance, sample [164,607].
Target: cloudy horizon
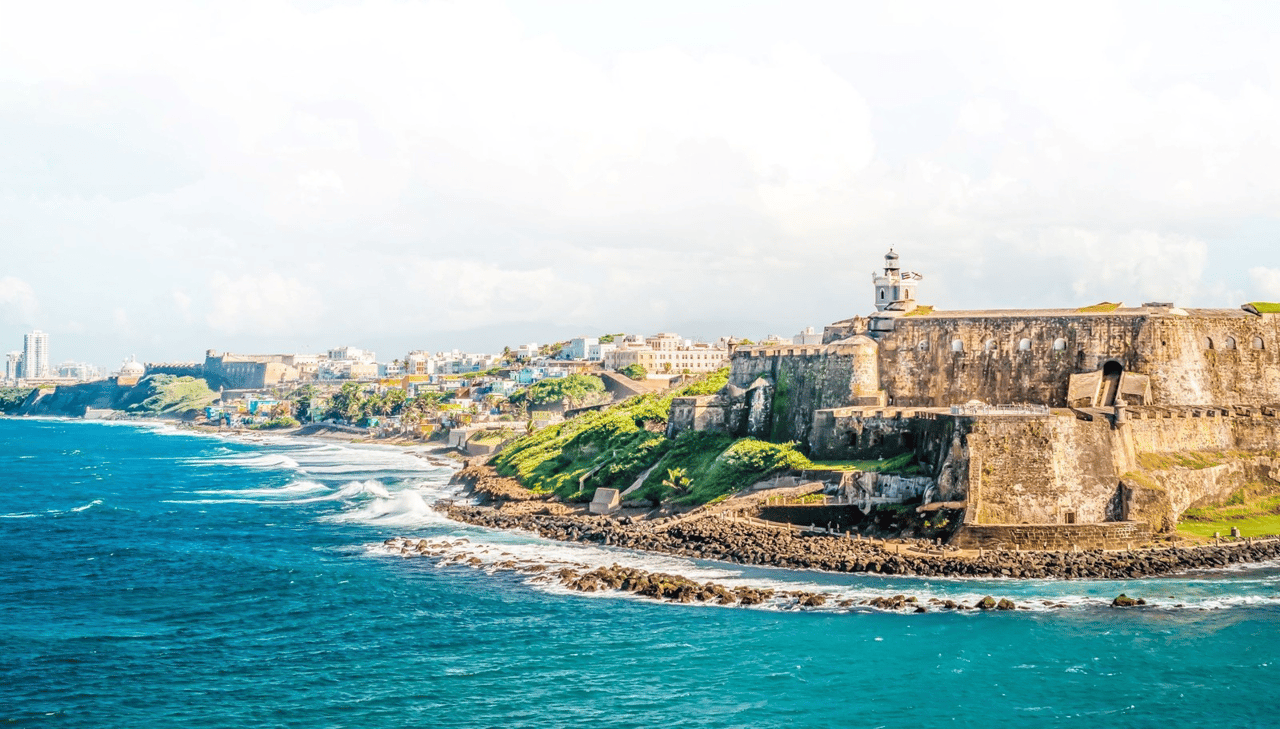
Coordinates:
[291,176]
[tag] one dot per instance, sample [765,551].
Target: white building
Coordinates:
[599,350]
[351,354]
[579,347]
[35,355]
[808,336]
[527,351]
[80,371]
[452,362]
[667,353]
[13,366]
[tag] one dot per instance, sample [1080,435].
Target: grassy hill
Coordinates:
[614,447]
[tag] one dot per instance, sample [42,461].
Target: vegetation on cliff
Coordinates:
[634,371]
[11,398]
[169,395]
[1106,307]
[614,448]
[1265,307]
[1254,510]
[573,390]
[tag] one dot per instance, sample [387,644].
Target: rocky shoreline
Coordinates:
[717,538]
[676,588]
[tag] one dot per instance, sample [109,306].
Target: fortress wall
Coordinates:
[1057,537]
[805,380]
[1184,371]
[1040,470]
[919,366]
[1187,432]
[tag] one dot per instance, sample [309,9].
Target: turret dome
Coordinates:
[132,369]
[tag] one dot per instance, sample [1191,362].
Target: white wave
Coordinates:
[267,460]
[296,487]
[349,491]
[53,512]
[404,508]
[90,505]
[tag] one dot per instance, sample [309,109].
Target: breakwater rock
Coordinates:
[743,542]
[658,585]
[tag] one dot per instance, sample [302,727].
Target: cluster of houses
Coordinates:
[473,390]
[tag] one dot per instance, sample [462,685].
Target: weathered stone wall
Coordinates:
[943,360]
[1060,537]
[1243,366]
[1204,429]
[1041,470]
[804,380]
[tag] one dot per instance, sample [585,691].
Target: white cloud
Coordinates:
[451,165]
[18,303]
[263,304]
[1266,281]
[983,116]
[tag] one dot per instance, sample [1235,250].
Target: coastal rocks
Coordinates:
[1123,600]
[486,484]
[743,542]
[643,583]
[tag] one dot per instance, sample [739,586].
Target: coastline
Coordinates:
[738,542]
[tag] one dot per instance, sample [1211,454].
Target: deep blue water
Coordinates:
[152,578]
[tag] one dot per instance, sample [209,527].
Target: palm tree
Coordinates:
[678,480]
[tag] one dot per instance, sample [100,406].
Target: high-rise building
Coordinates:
[35,355]
[13,366]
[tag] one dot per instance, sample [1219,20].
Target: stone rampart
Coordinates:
[1205,357]
[1052,537]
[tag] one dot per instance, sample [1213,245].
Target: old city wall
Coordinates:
[1041,470]
[936,361]
[1058,537]
[804,380]
[1213,358]
[1029,358]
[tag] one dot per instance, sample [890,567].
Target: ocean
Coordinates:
[156,577]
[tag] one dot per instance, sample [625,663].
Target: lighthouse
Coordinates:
[895,286]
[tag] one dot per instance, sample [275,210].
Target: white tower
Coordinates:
[895,286]
[35,355]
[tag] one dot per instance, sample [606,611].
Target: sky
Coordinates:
[275,176]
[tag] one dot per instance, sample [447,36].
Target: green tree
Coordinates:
[347,403]
[634,371]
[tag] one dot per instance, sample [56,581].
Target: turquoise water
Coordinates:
[153,578]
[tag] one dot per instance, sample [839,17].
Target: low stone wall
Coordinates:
[842,517]
[1053,537]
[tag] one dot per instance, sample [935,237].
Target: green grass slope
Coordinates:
[169,395]
[613,448]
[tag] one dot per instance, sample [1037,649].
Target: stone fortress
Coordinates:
[1052,428]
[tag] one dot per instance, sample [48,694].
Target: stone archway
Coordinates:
[1112,371]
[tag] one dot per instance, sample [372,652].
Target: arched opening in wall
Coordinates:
[1059,345]
[1258,343]
[957,345]
[882,294]
[989,345]
[1024,345]
[1111,373]
[1229,343]
[1208,342]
